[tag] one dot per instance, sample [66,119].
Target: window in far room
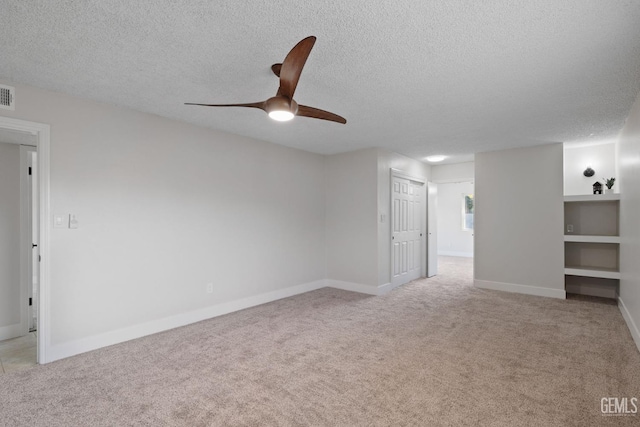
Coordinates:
[467,212]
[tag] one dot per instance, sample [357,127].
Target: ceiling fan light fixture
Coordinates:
[281,109]
[436,158]
[281,115]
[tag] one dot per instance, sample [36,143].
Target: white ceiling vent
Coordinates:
[7,97]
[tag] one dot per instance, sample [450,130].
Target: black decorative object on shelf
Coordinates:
[588,172]
[597,188]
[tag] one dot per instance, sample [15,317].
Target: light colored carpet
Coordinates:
[434,352]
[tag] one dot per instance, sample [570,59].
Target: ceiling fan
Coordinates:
[282,107]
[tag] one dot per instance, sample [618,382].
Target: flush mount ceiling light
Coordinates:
[436,158]
[282,107]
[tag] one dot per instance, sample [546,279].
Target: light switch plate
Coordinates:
[73,221]
[60,221]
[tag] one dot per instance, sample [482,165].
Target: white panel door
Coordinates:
[407,211]
[432,230]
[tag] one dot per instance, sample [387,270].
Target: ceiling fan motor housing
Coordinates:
[281,103]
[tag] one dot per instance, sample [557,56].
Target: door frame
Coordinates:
[26,235]
[397,173]
[432,228]
[43,144]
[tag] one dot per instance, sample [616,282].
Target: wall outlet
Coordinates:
[569,228]
[209,288]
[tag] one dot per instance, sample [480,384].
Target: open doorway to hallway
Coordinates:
[455,212]
[18,132]
[19,223]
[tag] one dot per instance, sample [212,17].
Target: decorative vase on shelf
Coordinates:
[608,191]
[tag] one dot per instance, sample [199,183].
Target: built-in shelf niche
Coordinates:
[591,255]
[597,287]
[592,218]
[592,244]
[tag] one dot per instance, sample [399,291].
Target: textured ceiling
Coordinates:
[413,76]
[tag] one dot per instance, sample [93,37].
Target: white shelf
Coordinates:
[595,240]
[602,273]
[593,198]
[591,239]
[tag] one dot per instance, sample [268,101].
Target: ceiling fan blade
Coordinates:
[276,69]
[260,105]
[317,113]
[292,66]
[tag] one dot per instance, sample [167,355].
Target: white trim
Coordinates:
[401,174]
[633,328]
[458,254]
[591,272]
[591,239]
[521,289]
[42,132]
[454,180]
[95,342]
[386,288]
[11,331]
[25,234]
[593,198]
[357,287]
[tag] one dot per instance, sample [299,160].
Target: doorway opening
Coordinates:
[456,212]
[25,289]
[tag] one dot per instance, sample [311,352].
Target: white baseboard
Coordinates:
[386,288]
[633,328]
[453,253]
[521,289]
[11,331]
[60,351]
[353,287]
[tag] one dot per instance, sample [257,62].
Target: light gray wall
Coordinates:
[601,157]
[351,217]
[519,243]
[629,151]
[454,172]
[386,161]
[9,234]
[165,208]
[358,240]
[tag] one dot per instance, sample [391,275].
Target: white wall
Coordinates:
[165,208]
[386,161]
[9,239]
[452,239]
[601,158]
[629,151]
[351,218]
[519,239]
[455,172]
